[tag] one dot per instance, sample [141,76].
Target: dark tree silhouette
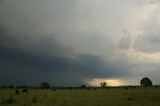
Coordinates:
[83,86]
[45,85]
[11,86]
[103,84]
[3,86]
[146,82]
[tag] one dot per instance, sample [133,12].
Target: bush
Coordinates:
[83,86]
[45,85]
[103,84]
[146,82]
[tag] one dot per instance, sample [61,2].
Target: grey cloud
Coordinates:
[151,42]
[150,38]
[154,1]
[13,73]
[1,1]
[24,65]
[44,45]
[59,42]
[45,61]
[124,42]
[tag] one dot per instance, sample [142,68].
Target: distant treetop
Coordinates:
[146,82]
[45,85]
[103,84]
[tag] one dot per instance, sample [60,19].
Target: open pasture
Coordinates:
[82,97]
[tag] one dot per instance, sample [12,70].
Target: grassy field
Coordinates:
[82,97]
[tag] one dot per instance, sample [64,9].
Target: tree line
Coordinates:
[144,82]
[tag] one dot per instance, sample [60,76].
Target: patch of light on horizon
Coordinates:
[115,81]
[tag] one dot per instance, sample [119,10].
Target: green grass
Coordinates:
[82,97]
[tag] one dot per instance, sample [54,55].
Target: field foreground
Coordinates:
[82,97]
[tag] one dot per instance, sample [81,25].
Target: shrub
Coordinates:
[146,82]
[103,84]
[45,85]
[83,86]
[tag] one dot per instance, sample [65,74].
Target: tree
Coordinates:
[146,82]
[103,84]
[3,86]
[11,86]
[45,85]
[83,86]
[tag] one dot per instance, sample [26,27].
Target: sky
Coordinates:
[75,42]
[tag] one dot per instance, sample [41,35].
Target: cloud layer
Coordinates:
[68,43]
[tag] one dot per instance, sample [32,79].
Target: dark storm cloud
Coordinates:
[27,65]
[45,45]
[28,52]
[1,1]
[5,39]
[19,64]
[68,42]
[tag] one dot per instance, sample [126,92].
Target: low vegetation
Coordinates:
[141,96]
